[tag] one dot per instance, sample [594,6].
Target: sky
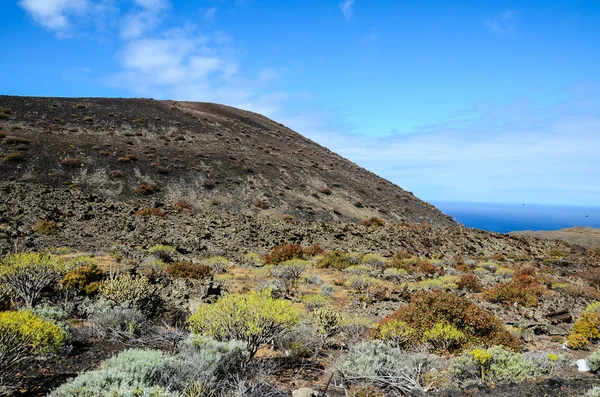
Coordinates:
[452,100]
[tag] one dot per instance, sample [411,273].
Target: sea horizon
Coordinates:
[510,217]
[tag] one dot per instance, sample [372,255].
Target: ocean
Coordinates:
[506,218]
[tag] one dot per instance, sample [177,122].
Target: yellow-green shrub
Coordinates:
[24,334]
[444,336]
[255,318]
[46,228]
[313,302]
[29,273]
[128,290]
[362,284]
[329,321]
[85,279]
[586,329]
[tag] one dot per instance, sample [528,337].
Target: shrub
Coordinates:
[150,212]
[355,327]
[327,289]
[28,274]
[251,259]
[444,336]
[313,250]
[390,369]
[446,283]
[314,302]
[187,269]
[335,260]
[394,274]
[469,282]
[499,365]
[85,279]
[585,330]
[218,264]
[372,222]
[145,189]
[329,321]
[71,161]
[284,252]
[522,289]
[165,253]
[289,273]
[593,392]
[427,309]
[182,206]
[14,157]
[128,291]
[593,360]
[360,269]
[23,334]
[131,373]
[204,362]
[112,321]
[374,260]
[46,227]
[362,284]
[254,318]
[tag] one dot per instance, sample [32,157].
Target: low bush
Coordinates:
[71,161]
[375,261]
[187,269]
[28,274]
[327,289]
[23,334]
[14,157]
[289,273]
[165,253]
[314,302]
[499,365]
[427,310]
[110,321]
[313,250]
[355,327]
[83,280]
[129,291]
[145,189]
[593,392]
[444,283]
[373,221]
[360,270]
[522,289]
[329,322]
[470,283]
[218,264]
[335,260]
[133,372]
[593,361]
[390,369]
[362,285]
[6,294]
[255,318]
[444,337]
[284,252]
[251,259]
[586,328]
[150,212]
[45,228]
[394,274]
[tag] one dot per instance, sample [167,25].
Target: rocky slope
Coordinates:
[580,235]
[208,155]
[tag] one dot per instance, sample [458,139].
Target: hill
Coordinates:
[581,235]
[208,155]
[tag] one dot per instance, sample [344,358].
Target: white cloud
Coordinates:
[346,8]
[504,23]
[143,20]
[54,14]
[209,14]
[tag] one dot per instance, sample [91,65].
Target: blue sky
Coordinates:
[459,101]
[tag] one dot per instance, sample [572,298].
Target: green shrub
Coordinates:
[335,260]
[522,289]
[427,309]
[289,273]
[362,284]
[52,313]
[313,302]
[327,289]
[251,259]
[23,334]
[46,228]
[129,291]
[593,360]
[187,269]
[445,283]
[394,274]
[28,274]
[360,270]
[593,392]
[585,330]
[218,264]
[110,321]
[254,318]
[329,321]
[84,280]
[498,365]
[131,373]
[354,328]
[390,369]
[375,261]
[284,252]
[165,253]
[444,336]
[14,157]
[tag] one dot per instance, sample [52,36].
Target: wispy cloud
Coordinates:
[144,18]
[209,14]
[504,23]
[513,153]
[54,14]
[346,8]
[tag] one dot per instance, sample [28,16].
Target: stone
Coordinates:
[304,392]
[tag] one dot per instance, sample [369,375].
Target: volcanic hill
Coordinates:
[208,155]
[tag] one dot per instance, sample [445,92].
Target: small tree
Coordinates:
[255,318]
[329,322]
[289,272]
[23,334]
[29,273]
[362,284]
